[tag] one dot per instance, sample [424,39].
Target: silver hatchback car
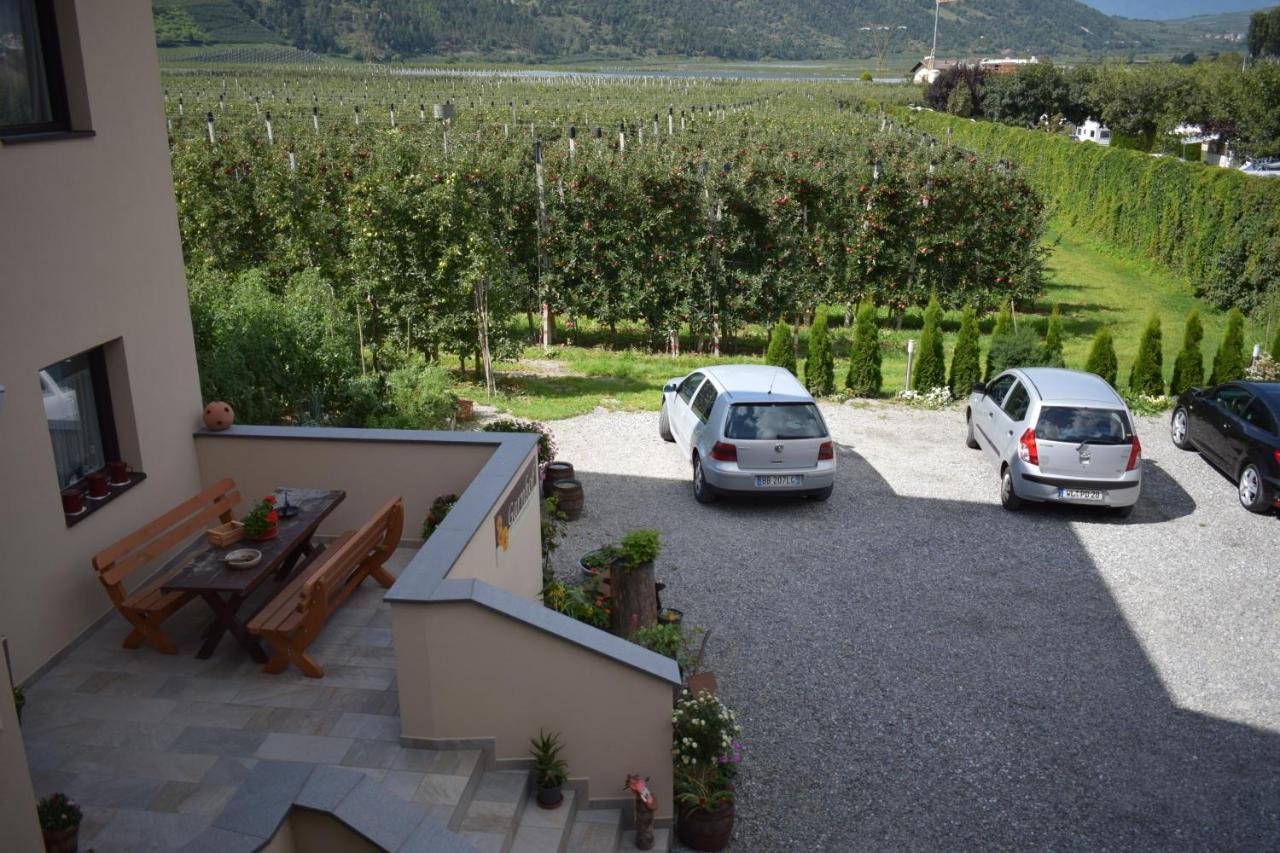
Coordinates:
[1059,436]
[748,428]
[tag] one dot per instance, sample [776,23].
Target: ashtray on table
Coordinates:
[242,558]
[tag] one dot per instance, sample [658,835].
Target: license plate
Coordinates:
[1081,494]
[779,480]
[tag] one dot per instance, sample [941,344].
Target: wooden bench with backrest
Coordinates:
[148,606]
[295,616]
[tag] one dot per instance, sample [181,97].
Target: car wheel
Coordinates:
[969,441]
[1180,429]
[703,492]
[822,494]
[1253,492]
[1008,497]
[664,424]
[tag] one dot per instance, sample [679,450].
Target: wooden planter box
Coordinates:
[225,535]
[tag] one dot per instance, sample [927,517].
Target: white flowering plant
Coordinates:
[705,751]
[934,398]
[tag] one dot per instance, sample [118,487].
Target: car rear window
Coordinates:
[774,421]
[1077,425]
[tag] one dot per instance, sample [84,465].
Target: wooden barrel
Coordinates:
[568,495]
[554,472]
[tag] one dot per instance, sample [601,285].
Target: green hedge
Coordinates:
[1217,227]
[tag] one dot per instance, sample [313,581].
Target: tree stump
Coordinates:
[635,599]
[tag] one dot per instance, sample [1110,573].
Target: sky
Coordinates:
[1160,10]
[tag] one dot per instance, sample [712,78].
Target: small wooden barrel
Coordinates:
[568,494]
[554,472]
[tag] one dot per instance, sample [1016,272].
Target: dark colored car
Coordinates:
[1234,426]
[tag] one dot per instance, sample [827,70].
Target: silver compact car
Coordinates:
[748,429]
[1057,436]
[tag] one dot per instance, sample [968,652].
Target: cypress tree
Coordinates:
[1188,367]
[1147,376]
[966,361]
[1004,328]
[782,352]
[1102,356]
[1275,345]
[931,366]
[1053,340]
[819,367]
[1230,362]
[864,377]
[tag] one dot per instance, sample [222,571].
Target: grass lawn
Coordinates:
[1093,288]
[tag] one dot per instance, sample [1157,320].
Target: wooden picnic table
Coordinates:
[226,590]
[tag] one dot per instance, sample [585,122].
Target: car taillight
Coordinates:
[724,452]
[828,451]
[1278,457]
[1027,450]
[1135,455]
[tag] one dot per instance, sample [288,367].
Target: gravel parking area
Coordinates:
[917,669]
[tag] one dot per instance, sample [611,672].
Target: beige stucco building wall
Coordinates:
[91,254]
[516,568]
[19,828]
[475,673]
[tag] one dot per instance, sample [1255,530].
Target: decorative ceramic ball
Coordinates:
[218,416]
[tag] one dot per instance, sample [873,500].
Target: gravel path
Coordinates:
[917,669]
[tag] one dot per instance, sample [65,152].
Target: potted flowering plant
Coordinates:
[60,823]
[706,753]
[435,516]
[261,521]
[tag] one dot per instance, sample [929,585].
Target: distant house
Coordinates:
[1092,131]
[927,70]
[1005,66]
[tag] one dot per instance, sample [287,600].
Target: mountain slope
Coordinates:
[730,29]
[1165,10]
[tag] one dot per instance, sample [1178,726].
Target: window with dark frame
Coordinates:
[77,405]
[33,94]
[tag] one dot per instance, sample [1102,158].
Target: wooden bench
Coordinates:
[147,607]
[294,618]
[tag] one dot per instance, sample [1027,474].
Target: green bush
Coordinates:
[1147,376]
[639,547]
[1003,328]
[931,364]
[864,377]
[966,369]
[420,395]
[1016,349]
[782,348]
[1102,356]
[1230,361]
[1188,367]
[819,367]
[546,440]
[1275,344]
[1053,340]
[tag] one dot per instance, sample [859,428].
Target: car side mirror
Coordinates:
[979,388]
[669,387]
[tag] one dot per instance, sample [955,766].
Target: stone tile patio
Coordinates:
[158,747]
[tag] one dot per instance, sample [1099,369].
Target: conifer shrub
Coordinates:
[1004,327]
[1188,367]
[931,365]
[782,351]
[1230,361]
[1147,376]
[1102,356]
[1275,345]
[966,361]
[1016,349]
[819,367]
[1053,340]
[864,378]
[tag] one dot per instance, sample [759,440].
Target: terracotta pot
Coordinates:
[703,830]
[72,501]
[97,484]
[218,416]
[62,841]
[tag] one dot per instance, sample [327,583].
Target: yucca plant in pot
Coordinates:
[549,770]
